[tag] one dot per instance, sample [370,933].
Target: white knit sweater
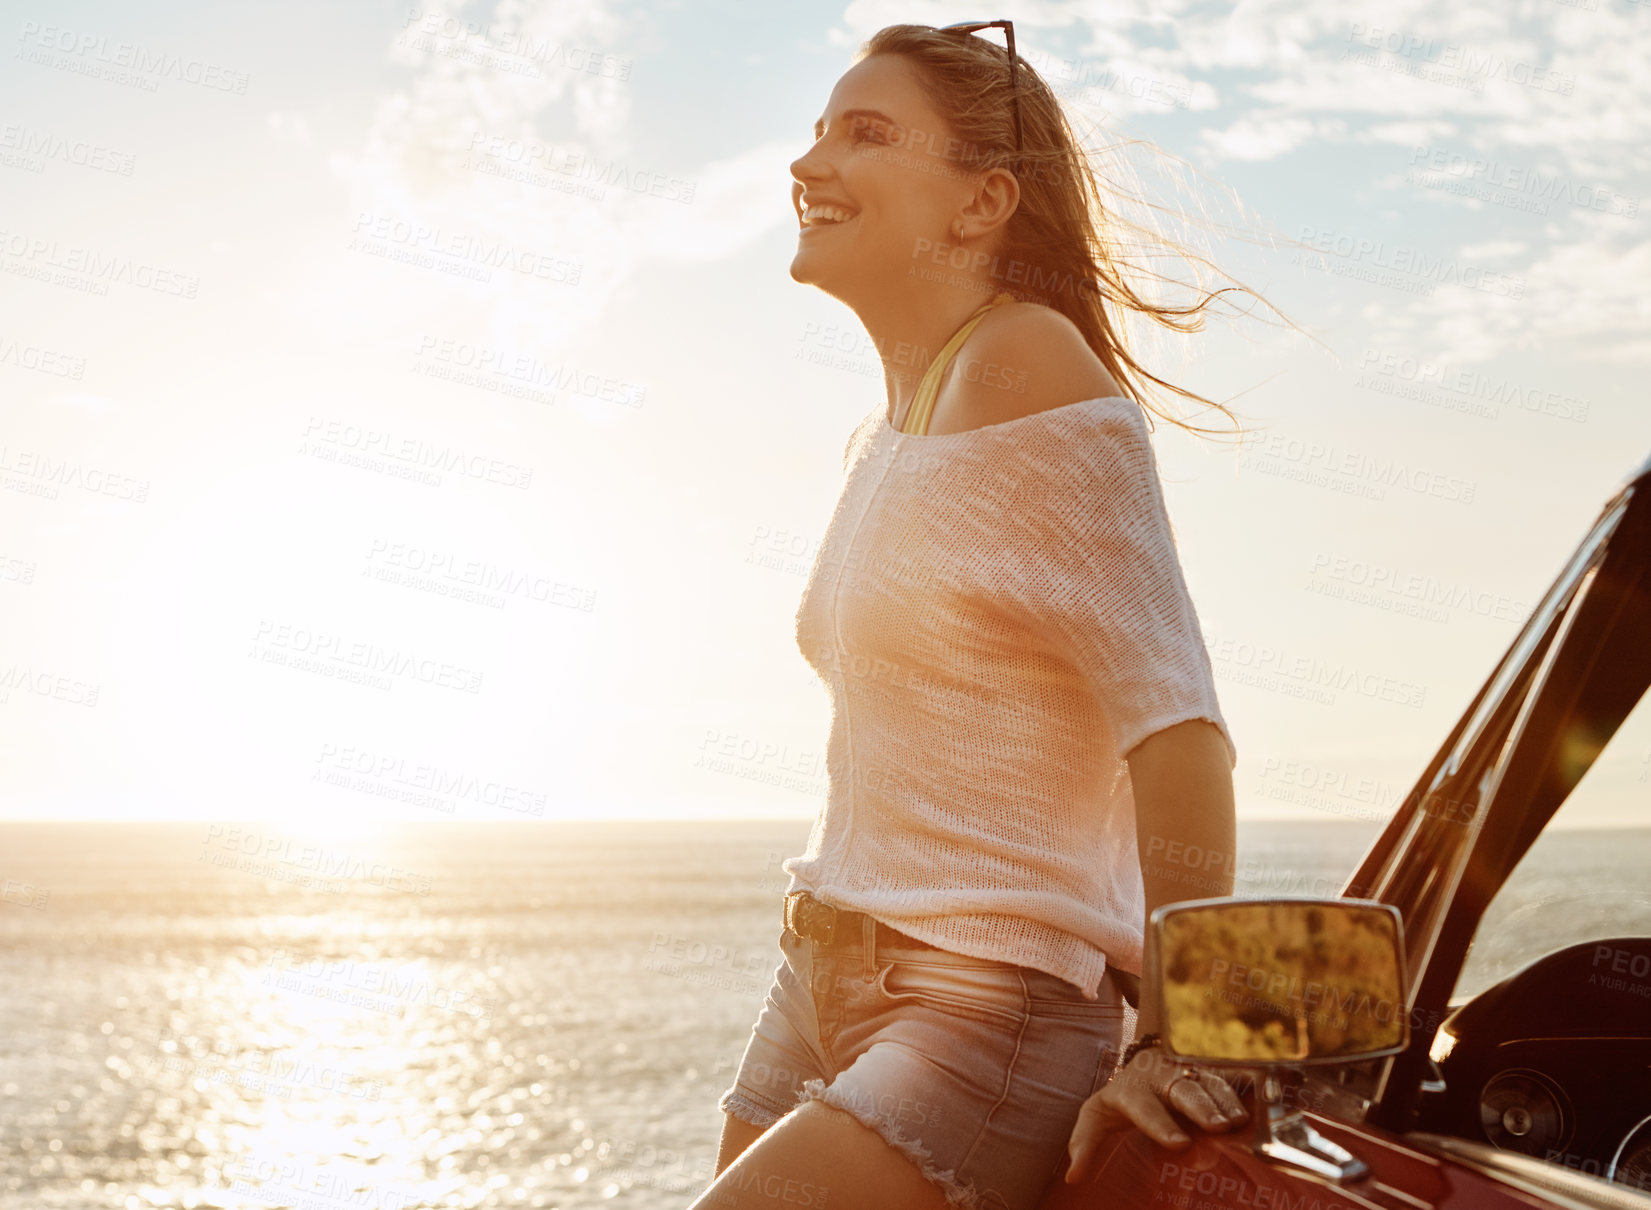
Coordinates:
[999,616]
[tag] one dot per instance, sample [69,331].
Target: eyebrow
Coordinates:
[819,123]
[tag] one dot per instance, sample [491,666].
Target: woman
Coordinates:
[1024,715]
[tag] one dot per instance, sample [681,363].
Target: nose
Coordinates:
[796,191]
[805,170]
[799,166]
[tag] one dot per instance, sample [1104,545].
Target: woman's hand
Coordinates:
[1142,1095]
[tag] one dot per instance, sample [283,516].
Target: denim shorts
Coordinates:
[973,1069]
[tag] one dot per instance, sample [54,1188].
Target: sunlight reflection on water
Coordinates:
[178,1033]
[525,1015]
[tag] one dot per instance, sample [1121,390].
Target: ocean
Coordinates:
[440,1015]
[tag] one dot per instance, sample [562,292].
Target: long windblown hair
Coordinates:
[1063,242]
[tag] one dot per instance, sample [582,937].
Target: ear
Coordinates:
[994,202]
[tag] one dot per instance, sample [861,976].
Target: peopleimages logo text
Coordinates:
[1464,58]
[1444,270]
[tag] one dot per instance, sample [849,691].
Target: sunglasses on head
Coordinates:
[969,27]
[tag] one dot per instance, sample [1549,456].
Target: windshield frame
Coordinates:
[1592,666]
[1493,785]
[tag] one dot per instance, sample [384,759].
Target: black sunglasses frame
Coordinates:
[1008,27]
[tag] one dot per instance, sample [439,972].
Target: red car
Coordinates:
[1530,1090]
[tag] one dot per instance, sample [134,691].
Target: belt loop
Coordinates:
[868,928]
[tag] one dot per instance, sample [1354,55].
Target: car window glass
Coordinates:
[1587,876]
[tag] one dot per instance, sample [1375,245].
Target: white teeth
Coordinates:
[825,214]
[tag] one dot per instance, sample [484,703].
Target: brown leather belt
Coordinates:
[806,917]
[809,919]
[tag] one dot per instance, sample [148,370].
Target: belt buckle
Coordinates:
[801,921]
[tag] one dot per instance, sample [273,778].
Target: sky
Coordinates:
[265,418]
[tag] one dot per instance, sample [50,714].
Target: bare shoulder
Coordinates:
[1022,358]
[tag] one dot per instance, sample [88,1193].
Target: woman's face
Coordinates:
[880,153]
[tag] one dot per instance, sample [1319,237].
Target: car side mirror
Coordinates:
[1280,981]
[1274,984]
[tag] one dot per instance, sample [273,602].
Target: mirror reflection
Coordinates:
[1281,981]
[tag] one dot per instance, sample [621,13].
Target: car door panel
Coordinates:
[1221,1171]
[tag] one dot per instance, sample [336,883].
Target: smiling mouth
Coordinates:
[823,226]
[824,214]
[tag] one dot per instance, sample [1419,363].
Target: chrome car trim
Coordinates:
[1399,1195]
[1574,1038]
[1616,1156]
[1644,468]
[1564,1187]
[1292,1140]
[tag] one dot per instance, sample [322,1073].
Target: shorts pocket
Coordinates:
[993,994]
[1052,996]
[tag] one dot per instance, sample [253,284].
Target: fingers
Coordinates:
[1152,1116]
[1222,1093]
[1207,1099]
[1142,1100]
[1203,1095]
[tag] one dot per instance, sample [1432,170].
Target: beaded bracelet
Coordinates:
[1144,1042]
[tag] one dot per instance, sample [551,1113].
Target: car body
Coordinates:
[1537,1090]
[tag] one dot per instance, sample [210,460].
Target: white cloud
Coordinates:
[449,152]
[1408,133]
[1267,138]
[1585,296]
[1494,249]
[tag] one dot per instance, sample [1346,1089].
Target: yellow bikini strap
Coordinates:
[922,405]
